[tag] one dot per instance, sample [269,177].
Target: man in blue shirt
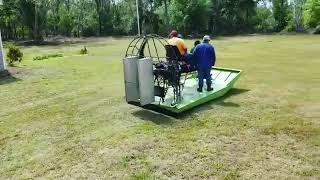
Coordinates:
[205,57]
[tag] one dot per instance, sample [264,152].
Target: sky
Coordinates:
[267,3]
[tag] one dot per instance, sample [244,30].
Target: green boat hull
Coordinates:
[223,80]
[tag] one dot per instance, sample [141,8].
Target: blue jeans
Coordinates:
[204,73]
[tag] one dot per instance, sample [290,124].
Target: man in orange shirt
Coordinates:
[175,41]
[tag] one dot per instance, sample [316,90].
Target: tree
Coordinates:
[34,16]
[297,6]
[246,10]
[190,15]
[163,11]
[53,16]
[312,13]
[232,16]
[103,12]
[9,19]
[65,22]
[280,12]
[264,20]
[38,18]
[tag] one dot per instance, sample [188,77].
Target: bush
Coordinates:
[14,54]
[84,50]
[317,30]
[264,20]
[289,28]
[39,58]
[311,14]
[65,21]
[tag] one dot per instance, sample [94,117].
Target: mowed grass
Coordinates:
[67,117]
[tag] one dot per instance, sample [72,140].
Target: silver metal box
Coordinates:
[130,68]
[146,81]
[130,65]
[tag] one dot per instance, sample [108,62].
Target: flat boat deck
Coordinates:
[222,81]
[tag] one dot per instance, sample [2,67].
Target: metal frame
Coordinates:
[139,43]
[141,47]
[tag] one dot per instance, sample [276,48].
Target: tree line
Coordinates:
[37,19]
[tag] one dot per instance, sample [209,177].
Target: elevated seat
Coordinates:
[173,54]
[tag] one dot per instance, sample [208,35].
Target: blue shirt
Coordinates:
[204,55]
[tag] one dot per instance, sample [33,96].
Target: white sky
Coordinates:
[265,3]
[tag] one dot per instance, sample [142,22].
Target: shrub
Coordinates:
[289,28]
[84,50]
[317,30]
[14,54]
[311,14]
[43,57]
[264,20]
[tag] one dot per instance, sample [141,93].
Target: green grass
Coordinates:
[67,117]
[44,57]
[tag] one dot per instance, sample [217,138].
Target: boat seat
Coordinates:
[173,54]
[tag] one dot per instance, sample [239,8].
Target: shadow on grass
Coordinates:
[159,116]
[234,92]
[155,117]
[7,78]
[217,102]
[51,42]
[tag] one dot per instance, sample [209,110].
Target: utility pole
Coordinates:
[2,62]
[294,15]
[138,17]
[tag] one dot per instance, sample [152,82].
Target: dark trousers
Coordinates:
[204,73]
[188,57]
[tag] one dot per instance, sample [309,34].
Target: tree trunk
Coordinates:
[210,24]
[35,29]
[166,12]
[98,9]
[68,5]
[15,31]
[22,31]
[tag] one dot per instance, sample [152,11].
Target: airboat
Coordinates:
[158,78]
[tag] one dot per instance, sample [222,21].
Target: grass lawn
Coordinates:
[67,117]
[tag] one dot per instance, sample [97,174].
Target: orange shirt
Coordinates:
[179,43]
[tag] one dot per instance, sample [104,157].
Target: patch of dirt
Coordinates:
[24,72]
[18,71]
[6,77]
[61,40]
[310,110]
[4,74]
[259,157]
[53,41]
[14,74]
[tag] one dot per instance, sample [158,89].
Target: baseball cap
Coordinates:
[174,33]
[206,38]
